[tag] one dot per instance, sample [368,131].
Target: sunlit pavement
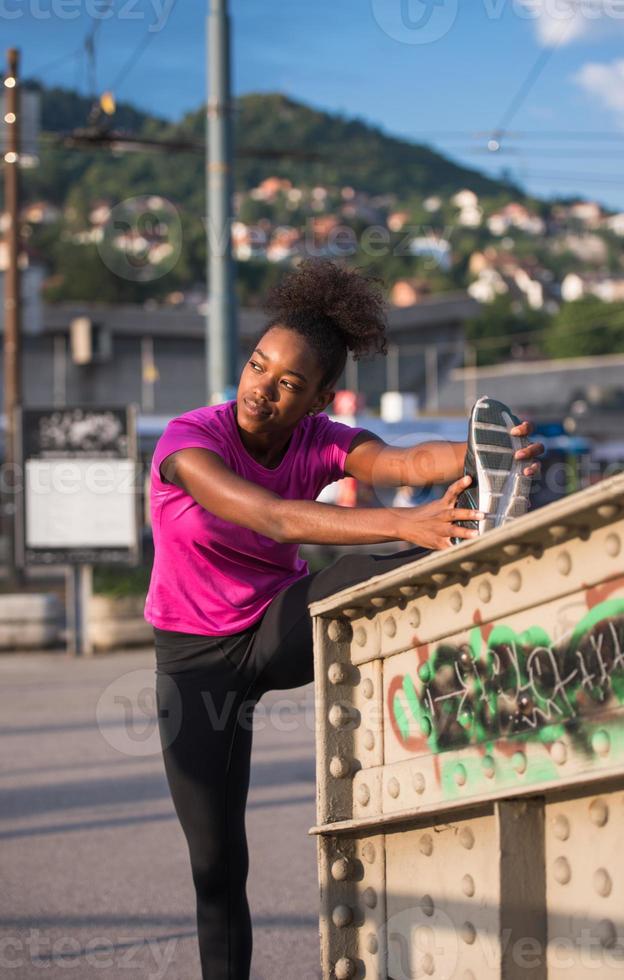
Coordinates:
[95,879]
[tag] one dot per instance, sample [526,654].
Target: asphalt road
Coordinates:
[94,873]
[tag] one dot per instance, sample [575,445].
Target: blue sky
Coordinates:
[444,72]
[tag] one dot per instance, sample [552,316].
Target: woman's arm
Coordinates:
[374,462]
[204,476]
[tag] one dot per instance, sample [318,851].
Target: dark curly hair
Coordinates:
[335,308]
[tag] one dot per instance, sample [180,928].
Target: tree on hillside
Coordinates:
[500,332]
[585,328]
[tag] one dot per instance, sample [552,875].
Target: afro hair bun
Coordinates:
[334,307]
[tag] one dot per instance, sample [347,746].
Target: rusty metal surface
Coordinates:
[452,689]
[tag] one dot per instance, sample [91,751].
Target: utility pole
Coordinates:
[12,295]
[221,326]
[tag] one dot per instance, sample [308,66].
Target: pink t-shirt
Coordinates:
[213,577]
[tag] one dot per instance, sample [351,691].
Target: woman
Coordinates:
[234,490]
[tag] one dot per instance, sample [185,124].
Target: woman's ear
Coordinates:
[322,400]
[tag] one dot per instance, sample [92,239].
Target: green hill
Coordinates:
[347,152]
[353,153]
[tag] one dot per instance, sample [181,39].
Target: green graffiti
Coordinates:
[515,685]
[497,770]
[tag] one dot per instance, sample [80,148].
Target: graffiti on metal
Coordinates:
[502,684]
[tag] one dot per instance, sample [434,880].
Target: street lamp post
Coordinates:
[12,306]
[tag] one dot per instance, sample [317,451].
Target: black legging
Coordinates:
[206,689]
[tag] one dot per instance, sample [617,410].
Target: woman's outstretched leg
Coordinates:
[281,650]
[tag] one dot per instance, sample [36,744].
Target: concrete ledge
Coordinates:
[118,622]
[30,621]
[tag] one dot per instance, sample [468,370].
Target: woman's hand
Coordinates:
[529,452]
[433,525]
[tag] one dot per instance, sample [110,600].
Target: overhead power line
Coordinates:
[527,85]
[132,61]
[134,58]
[524,90]
[49,66]
[615,180]
[94,139]
[546,153]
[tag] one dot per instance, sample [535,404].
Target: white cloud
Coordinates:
[559,22]
[605,82]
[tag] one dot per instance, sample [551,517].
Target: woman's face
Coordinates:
[280,383]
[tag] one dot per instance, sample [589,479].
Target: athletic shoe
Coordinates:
[499,488]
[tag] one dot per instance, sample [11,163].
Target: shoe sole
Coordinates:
[503,489]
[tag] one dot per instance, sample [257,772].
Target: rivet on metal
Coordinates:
[489,766]
[485,591]
[519,762]
[379,601]
[460,774]
[466,838]
[390,626]
[394,787]
[363,794]
[367,688]
[465,718]
[342,916]
[559,531]
[562,871]
[428,964]
[337,631]
[424,672]
[606,933]
[468,933]
[372,944]
[514,580]
[341,869]
[425,726]
[414,618]
[601,743]
[613,545]
[360,636]
[599,812]
[561,827]
[525,703]
[468,885]
[337,673]
[368,853]
[564,563]
[369,898]
[427,905]
[408,590]
[418,782]
[602,882]
[456,601]
[558,753]
[339,768]
[425,845]
[344,969]
[369,740]
[339,716]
